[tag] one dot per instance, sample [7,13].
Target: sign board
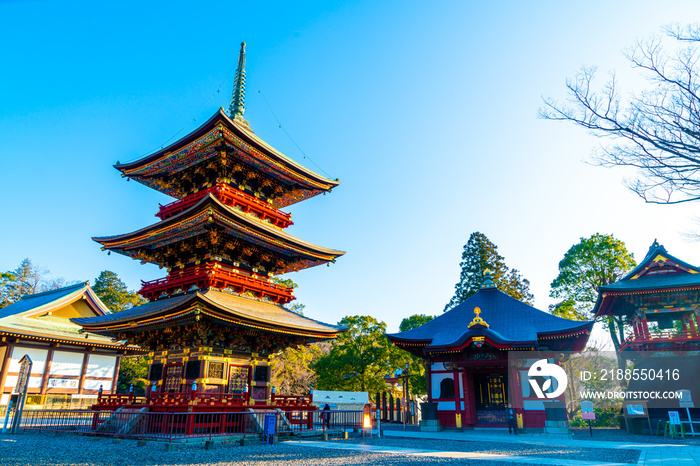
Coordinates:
[25,369]
[587,412]
[674,418]
[55,382]
[636,410]
[269,427]
[686,401]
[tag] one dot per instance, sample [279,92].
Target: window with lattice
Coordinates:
[215,370]
[173,378]
[238,379]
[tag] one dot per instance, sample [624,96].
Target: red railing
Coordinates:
[217,275]
[291,400]
[192,398]
[231,197]
[120,399]
[171,426]
[660,337]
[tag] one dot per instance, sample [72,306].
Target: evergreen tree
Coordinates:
[114,293]
[479,255]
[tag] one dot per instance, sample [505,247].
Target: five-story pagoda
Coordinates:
[218,315]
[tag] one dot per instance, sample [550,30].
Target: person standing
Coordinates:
[327,416]
[512,422]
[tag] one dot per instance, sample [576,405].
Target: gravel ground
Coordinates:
[49,449]
[553,451]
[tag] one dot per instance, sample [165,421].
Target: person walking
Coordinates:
[512,422]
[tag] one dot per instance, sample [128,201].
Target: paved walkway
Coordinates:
[651,454]
[448,454]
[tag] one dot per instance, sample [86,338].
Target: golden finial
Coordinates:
[477,319]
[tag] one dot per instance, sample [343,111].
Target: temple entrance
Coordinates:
[490,397]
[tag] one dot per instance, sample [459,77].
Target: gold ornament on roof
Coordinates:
[477,319]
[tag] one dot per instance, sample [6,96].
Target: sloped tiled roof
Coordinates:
[24,318]
[658,272]
[32,302]
[510,322]
[230,305]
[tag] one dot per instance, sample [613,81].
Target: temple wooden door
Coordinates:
[469,399]
[172,378]
[239,379]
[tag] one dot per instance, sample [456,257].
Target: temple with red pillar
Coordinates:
[466,351]
[214,320]
[660,299]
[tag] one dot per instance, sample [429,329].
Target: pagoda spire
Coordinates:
[237,107]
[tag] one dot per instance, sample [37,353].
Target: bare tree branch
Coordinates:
[657,131]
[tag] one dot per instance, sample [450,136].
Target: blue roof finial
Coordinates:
[237,106]
[654,247]
[488,280]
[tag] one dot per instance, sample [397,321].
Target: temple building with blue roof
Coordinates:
[467,349]
[67,362]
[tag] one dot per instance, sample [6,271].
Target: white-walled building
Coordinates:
[65,359]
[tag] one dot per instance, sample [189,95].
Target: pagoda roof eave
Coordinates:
[93,340]
[298,171]
[219,305]
[641,280]
[119,243]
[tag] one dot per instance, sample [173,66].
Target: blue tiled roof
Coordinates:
[654,250]
[33,301]
[510,322]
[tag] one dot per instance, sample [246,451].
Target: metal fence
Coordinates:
[138,424]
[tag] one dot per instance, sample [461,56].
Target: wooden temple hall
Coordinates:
[69,365]
[467,349]
[212,322]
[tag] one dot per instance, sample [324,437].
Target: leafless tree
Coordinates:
[656,131]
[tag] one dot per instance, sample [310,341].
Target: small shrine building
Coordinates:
[213,321]
[466,352]
[67,362]
[660,298]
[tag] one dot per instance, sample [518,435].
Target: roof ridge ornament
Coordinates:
[237,107]
[477,319]
[488,280]
[654,247]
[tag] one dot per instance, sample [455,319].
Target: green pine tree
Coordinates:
[114,293]
[479,255]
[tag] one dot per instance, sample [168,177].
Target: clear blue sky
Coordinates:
[426,111]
